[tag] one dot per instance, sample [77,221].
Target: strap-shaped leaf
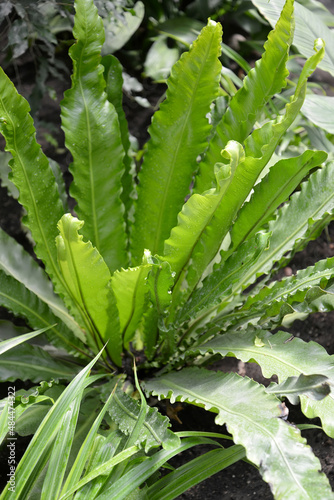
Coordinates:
[87,277]
[312,203]
[278,354]
[218,287]
[32,175]
[114,80]
[154,431]
[309,27]
[92,135]
[266,79]
[195,237]
[277,448]
[272,191]
[16,262]
[178,135]
[6,345]
[271,301]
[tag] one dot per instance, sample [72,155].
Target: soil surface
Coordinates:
[241,480]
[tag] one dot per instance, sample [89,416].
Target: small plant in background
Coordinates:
[155,277]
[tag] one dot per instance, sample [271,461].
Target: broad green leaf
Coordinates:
[272,191]
[129,287]
[285,461]
[277,355]
[312,386]
[154,431]
[93,137]
[88,280]
[308,28]
[24,303]
[160,59]
[16,262]
[266,79]
[4,174]
[178,135]
[200,468]
[34,459]
[319,110]
[120,27]
[182,29]
[27,362]
[32,175]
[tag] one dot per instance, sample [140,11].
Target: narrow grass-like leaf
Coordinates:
[34,459]
[267,78]
[178,135]
[285,461]
[278,354]
[5,345]
[61,451]
[177,482]
[92,135]
[88,279]
[32,175]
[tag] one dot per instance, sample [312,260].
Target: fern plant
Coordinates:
[160,270]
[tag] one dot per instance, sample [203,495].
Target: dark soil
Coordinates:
[241,480]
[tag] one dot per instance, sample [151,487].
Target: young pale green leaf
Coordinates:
[93,137]
[32,175]
[178,135]
[272,191]
[312,386]
[278,354]
[266,79]
[154,431]
[27,362]
[285,461]
[34,459]
[308,28]
[18,264]
[88,280]
[200,468]
[201,228]
[130,291]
